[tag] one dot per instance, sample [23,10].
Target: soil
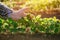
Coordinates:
[29,37]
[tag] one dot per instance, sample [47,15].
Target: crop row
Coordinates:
[30,24]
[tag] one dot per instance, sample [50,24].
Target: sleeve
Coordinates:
[4,11]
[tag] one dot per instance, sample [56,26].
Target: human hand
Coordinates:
[16,15]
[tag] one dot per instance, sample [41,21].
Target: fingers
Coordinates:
[25,9]
[20,13]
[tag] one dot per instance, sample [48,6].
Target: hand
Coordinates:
[16,15]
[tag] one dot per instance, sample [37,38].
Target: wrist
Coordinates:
[10,14]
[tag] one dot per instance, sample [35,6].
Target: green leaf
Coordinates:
[52,26]
[21,29]
[47,30]
[13,30]
[7,26]
[1,24]
[56,30]
[33,29]
[41,28]
[0,28]
[14,24]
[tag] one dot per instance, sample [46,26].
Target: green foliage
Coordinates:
[36,24]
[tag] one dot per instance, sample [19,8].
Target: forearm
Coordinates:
[6,15]
[5,11]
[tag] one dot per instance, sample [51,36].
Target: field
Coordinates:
[43,17]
